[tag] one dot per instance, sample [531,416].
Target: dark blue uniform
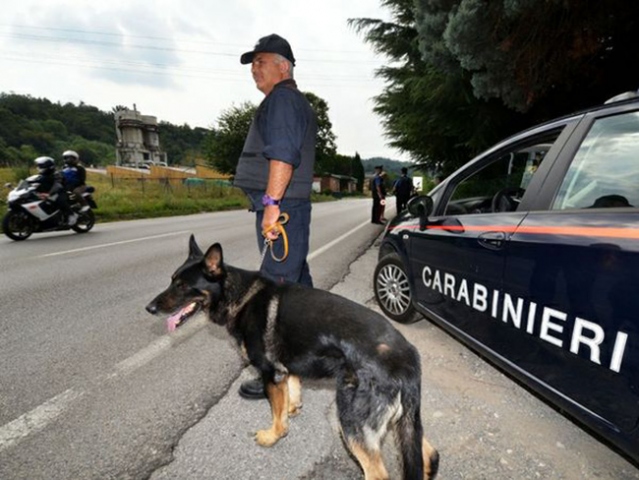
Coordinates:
[284,128]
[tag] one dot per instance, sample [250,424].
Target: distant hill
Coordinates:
[391,166]
[30,127]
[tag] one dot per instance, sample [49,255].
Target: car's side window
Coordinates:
[499,185]
[605,171]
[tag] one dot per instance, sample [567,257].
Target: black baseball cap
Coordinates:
[270,44]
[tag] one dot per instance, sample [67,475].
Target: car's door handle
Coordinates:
[492,240]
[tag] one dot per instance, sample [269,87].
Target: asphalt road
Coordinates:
[94,388]
[91,386]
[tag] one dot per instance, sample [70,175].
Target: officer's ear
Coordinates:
[285,66]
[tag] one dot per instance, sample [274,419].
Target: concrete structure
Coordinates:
[138,142]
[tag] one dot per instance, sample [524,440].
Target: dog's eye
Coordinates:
[181,284]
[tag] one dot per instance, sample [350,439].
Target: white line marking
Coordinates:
[104,245]
[36,419]
[321,250]
[41,416]
[155,348]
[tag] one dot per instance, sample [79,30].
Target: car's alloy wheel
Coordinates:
[392,290]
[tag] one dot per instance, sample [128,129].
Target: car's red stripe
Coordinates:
[606,232]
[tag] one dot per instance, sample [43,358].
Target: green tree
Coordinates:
[55,128]
[39,126]
[555,54]
[181,142]
[325,148]
[426,112]
[463,74]
[223,146]
[357,171]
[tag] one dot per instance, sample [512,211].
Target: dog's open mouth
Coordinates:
[178,319]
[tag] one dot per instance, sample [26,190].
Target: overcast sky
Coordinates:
[179,60]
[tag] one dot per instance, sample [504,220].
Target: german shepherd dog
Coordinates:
[290,331]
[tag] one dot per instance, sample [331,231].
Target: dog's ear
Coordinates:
[213,260]
[194,250]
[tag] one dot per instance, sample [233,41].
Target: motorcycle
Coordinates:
[29,212]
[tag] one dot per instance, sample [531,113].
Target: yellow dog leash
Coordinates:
[279,226]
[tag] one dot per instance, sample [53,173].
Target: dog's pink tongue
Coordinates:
[176,319]
[173,321]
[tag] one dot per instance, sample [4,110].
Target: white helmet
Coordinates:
[70,156]
[45,164]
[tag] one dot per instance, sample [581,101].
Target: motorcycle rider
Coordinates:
[50,186]
[75,176]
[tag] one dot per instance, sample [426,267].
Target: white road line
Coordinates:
[41,416]
[155,348]
[105,245]
[321,250]
[36,419]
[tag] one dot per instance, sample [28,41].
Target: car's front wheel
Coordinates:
[392,290]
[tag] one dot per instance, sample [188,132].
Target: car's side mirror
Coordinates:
[420,206]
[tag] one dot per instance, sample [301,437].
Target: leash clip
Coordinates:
[279,226]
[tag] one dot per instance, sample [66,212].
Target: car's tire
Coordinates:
[17,225]
[392,290]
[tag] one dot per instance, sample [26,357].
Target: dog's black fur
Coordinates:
[290,331]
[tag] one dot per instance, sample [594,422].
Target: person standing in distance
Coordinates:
[378,192]
[275,169]
[403,188]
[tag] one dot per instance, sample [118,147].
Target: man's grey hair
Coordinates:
[281,58]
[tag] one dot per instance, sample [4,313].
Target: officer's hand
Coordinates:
[271,216]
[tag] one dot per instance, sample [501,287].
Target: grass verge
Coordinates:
[126,199]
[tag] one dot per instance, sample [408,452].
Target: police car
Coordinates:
[530,255]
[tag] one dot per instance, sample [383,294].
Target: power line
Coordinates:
[165,70]
[162,38]
[182,66]
[86,42]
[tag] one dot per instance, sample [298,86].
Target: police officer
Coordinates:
[378,191]
[403,188]
[275,169]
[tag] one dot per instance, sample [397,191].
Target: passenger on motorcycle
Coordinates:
[50,186]
[75,176]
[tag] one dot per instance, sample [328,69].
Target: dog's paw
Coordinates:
[294,410]
[267,438]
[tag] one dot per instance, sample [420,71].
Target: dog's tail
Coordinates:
[420,459]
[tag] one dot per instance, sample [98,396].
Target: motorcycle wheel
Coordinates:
[17,225]
[85,222]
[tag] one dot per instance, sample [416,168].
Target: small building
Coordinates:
[138,141]
[335,184]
